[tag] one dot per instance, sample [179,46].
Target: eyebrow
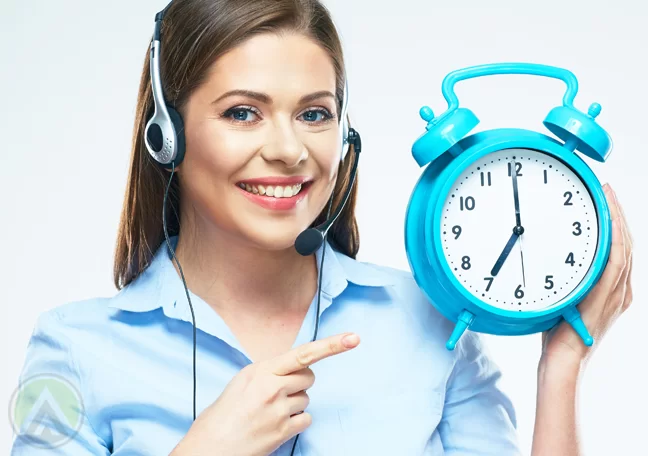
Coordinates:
[265,98]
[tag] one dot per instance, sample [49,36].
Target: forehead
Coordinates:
[281,65]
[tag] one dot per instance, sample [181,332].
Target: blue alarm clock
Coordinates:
[507,230]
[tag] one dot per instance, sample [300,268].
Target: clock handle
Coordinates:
[463,322]
[509,68]
[573,317]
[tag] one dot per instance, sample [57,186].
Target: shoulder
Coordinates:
[368,273]
[78,311]
[72,327]
[399,283]
[85,313]
[398,291]
[61,335]
[85,325]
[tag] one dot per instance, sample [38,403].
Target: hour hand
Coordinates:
[507,250]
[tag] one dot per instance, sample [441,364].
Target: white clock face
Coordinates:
[559,238]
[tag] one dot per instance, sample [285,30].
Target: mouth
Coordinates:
[276,193]
[276,187]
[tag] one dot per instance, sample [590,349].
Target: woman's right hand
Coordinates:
[263,405]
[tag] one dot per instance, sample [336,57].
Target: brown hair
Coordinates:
[193,35]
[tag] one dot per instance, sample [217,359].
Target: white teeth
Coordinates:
[274,191]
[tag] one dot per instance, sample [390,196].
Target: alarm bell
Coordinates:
[442,133]
[580,131]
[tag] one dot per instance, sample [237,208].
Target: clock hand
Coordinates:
[518,221]
[517,231]
[516,198]
[522,258]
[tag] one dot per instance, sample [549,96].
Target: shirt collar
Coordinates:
[160,286]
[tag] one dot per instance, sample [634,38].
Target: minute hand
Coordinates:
[516,198]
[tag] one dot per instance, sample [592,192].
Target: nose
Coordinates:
[285,145]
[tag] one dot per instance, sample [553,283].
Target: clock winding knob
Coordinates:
[426,113]
[594,110]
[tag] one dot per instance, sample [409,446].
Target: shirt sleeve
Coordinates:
[478,417]
[47,410]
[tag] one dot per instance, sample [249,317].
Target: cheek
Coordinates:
[218,153]
[214,157]
[325,151]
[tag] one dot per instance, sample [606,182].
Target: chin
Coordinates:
[277,241]
[272,230]
[264,232]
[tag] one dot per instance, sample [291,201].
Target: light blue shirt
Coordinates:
[399,393]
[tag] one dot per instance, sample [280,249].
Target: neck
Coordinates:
[233,276]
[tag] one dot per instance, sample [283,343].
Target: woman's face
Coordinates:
[262,141]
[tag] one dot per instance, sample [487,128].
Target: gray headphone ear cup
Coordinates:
[164,136]
[178,126]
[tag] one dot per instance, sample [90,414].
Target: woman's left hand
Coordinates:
[610,297]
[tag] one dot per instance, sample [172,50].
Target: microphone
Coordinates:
[312,239]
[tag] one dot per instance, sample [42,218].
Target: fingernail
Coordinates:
[350,340]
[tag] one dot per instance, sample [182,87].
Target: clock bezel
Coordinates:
[481,144]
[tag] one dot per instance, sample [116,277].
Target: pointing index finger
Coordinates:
[308,354]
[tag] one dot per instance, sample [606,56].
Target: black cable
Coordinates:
[159,17]
[319,296]
[193,317]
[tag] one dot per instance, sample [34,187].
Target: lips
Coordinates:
[276,180]
[276,193]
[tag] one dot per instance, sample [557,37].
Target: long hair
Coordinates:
[194,34]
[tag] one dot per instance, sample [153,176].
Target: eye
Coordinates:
[317,116]
[241,114]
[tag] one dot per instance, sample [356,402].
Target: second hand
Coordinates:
[522,258]
[518,221]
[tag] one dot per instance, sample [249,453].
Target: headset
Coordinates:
[165,141]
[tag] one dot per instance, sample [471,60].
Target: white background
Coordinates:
[69,77]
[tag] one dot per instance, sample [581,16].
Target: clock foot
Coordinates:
[573,317]
[463,322]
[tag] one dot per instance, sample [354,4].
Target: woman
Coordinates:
[259,86]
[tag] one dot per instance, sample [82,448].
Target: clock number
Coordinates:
[465,262]
[545,176]
[570,259]
[485,179]
[490,282]
[568,202]
[518,168]
[578,231]
[457,231]
[548,282]
[519,293]
[468,203]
